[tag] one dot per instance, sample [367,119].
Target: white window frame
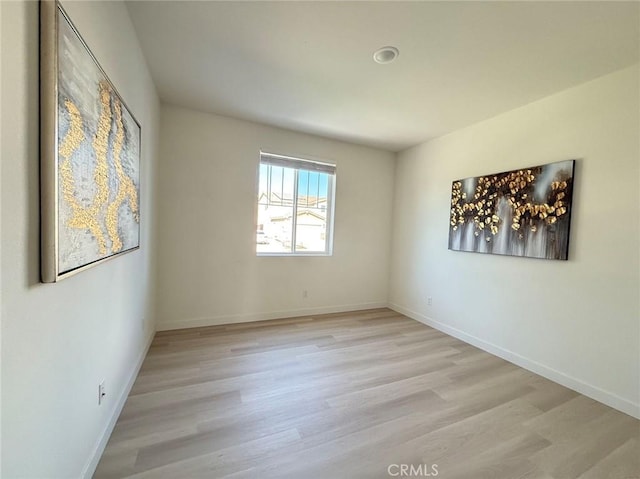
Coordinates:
[306,164]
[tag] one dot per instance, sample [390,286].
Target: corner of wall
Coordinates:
[605,397]
[585,324]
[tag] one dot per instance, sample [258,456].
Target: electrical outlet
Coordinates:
[429,301]
[101,393]
[305,293]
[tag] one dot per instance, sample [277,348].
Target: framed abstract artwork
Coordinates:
[525,212]
[89,155]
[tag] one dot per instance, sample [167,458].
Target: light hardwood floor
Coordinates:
[355,395]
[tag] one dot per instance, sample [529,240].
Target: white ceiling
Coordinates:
[308,66]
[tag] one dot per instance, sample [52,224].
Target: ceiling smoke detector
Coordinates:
[385,54]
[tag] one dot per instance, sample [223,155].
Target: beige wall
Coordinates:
[60,340]
[576,322]
[209,272]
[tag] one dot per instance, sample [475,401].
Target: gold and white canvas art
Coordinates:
[90,156]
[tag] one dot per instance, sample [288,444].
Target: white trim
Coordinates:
[294,212]
[594,392]
[249,317]
[91,465]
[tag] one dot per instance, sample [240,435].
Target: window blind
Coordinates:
[296,163]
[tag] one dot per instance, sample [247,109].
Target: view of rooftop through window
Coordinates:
[294,207]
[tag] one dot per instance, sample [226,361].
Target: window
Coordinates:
[295,206]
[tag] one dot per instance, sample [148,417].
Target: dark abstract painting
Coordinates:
[524,212]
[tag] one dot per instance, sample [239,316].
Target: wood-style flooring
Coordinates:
[355,395]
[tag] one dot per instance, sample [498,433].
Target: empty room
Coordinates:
[321,240]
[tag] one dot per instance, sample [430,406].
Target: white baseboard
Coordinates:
[249,317]
[600,395]
[90,468]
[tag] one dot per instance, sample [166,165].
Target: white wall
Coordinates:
[576,322]
[0,249]
[208,269]
[60,340]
